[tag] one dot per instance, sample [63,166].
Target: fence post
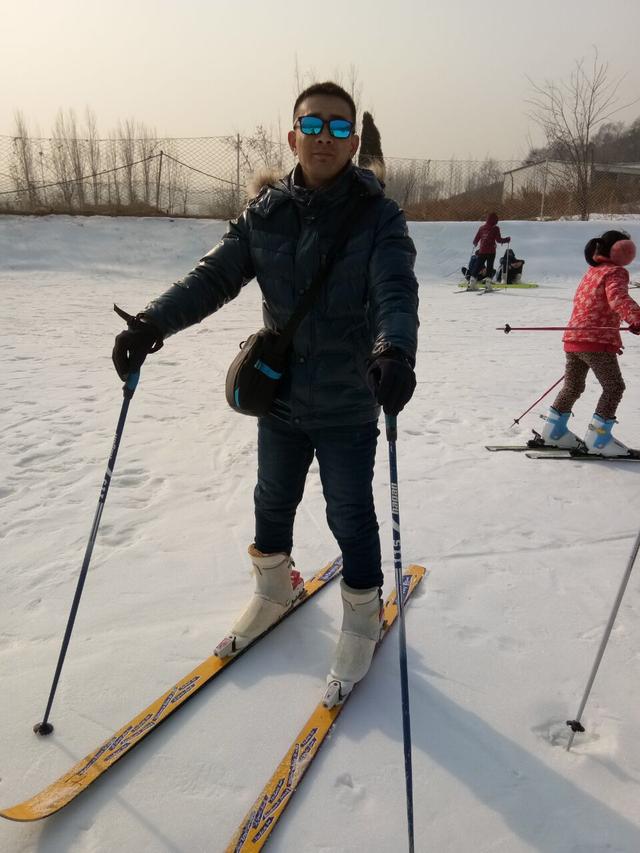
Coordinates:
[544,187]
[41,152]
[158,182]
[238,172]
[590,180]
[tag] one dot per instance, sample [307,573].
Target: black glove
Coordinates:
[634,328]
[134,344]
[392,380]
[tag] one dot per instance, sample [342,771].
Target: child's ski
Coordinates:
[535,443]
[520,448]
[634,456]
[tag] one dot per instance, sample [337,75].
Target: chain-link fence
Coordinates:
[174,177]
[212,177]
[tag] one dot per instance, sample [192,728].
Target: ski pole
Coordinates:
[517,420]
[576,725]
[507,328]
[392,435]
[45,727]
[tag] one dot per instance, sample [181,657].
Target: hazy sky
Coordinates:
[442,79]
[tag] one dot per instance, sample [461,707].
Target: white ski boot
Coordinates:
[598,438]
[361,628]
[473,284]
[278,586]
[556,433]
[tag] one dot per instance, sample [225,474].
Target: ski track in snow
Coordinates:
[526,560]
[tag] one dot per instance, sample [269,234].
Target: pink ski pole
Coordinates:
[507,328]
[517,420]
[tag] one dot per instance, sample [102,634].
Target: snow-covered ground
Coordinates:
[526,558]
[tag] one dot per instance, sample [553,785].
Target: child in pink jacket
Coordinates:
[601,301]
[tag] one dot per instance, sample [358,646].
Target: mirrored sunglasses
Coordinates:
[339,128]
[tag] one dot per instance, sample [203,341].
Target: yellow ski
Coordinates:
[67,787]
[263,815]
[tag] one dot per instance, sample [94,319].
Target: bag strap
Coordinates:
[345,229]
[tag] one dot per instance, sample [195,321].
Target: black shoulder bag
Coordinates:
[255,373]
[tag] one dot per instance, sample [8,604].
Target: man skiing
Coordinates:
[353,352]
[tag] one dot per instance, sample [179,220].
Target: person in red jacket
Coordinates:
[601,301]
[486,238]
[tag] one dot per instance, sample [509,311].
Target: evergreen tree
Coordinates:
[370,143]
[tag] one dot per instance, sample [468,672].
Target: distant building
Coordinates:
[538,177]
[546,176]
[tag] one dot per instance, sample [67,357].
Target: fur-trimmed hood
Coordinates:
[269,176]
[273,189]
[265,176]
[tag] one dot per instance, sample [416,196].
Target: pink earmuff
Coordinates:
[622,253]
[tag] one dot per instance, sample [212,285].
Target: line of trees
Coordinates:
[86,170]
[131,170]
[614,142]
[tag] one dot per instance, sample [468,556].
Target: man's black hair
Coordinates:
[327,88]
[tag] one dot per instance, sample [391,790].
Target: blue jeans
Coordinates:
[346,457]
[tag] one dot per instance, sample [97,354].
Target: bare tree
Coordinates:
[488,172]
[69,158]
[127,146]
[61,162]
[184,188]
[76,155]
[297,77]
[260,149]
[302,79]
[350,82]
[456,177]
[114,191]
[173,180]
[401,181]
[147,147]
[568,114]
[22,165]
[93,151]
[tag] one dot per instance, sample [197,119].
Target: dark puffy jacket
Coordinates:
[367,305]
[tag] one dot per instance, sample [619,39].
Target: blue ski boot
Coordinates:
[556,433]
[598,438]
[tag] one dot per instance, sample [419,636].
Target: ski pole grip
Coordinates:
[130,385]
[391,423]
